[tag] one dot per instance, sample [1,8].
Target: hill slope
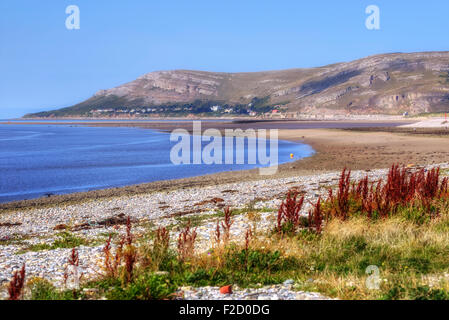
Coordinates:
[381,84]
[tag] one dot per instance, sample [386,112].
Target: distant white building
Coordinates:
[102,110]
[215,108]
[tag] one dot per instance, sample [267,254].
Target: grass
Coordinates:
[144,287]
[428,115]
[44,290]
[402,250]
[200,219]
[14,240]
[64,240]
[333,263]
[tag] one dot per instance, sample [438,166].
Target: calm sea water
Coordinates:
[36,160]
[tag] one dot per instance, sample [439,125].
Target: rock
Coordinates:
[9,224]
[120,219]
[289,282]
[226,290]
[60,227]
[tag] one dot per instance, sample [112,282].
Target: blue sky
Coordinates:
[45,66]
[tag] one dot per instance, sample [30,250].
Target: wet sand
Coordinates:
[358,148]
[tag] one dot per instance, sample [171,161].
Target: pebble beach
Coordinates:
[22,228]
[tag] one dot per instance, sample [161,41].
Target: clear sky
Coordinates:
[44,65]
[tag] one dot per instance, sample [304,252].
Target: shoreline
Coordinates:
[30,230]
[358,149]
[304,117]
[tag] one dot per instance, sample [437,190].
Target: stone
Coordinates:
[226,290]
[289,282]
[60,227]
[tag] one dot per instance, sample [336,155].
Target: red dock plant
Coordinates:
[444,188]
[112,261]
[74,262]
[401,189]
[417,194]
[156,254]
[130,253]
[74,259]
[226,225]
[162,239]
[248,238]
[15,287]
[129,236]
[342,201]
[217,233]
[289,213]
[186,242]
[316,217]
[124,253]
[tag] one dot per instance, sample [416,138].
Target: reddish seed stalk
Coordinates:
[73,261]
[129,237]
[226,225]
[316,217]
[343,194]
[130,260]
[162,239]
[381,198]
[289,211]
[16,285]
[125,252]
[186,242]
[444,188]
[248,237]
[74,258]
[217,233]
[400,189]
[130,254]
[161,245]
[112,262]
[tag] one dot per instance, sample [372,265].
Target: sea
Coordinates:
[38,160]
